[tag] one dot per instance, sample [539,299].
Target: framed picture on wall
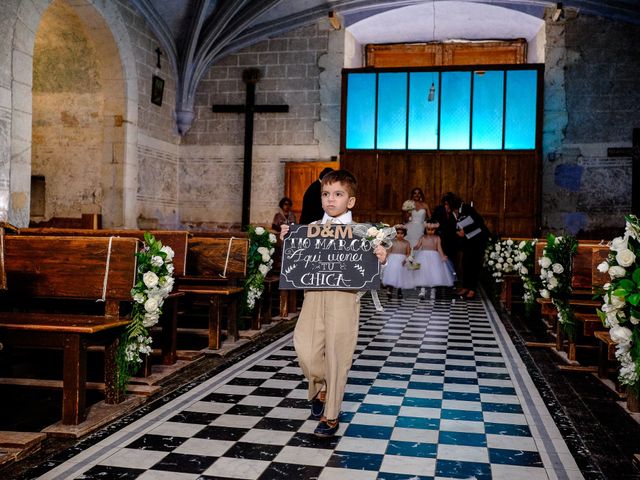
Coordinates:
[157,90]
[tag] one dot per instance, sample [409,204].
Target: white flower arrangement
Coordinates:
[555,277]
[620,311]
[377,234]
[525,268]
[408,206]
[501,256]
[153,284]
[260,261]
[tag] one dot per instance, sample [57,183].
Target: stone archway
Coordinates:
[90,105]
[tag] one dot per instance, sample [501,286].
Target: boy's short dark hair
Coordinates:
[345,177]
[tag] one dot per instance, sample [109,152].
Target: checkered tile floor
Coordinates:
[436,391]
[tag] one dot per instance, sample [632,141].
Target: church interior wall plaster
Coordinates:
[584,191]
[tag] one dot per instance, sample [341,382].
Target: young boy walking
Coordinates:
[327,330]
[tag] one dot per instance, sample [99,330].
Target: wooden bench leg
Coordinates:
[603,361]
[214,322]
[74,379]
[169,324]
[284,303]
[232,318]
[559,337]
[293,301]
[256,316]
[112,395]
[267,304]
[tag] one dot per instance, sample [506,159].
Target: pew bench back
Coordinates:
[176,239]
[213,257]
[70,267]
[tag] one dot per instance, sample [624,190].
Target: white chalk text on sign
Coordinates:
[328,257]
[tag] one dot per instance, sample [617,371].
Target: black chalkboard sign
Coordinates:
[328,257]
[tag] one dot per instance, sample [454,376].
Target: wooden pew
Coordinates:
[215,270]
[65,272]
[177,240]
[581,299]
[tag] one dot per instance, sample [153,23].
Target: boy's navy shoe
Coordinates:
[317,405]
[327,428]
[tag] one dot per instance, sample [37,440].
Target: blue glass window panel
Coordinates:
[361,110]
[392,110]
[488,95]
[455,110]
[520,115]
[423,114]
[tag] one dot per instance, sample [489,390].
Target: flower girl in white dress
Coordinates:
[395,273]
[433,271]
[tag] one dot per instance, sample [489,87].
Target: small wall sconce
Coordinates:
[558,12]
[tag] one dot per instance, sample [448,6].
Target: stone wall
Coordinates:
[591,103]
[301,69]
[68,115]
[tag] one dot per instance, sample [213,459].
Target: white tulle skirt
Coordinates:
[433,272]
[395,274]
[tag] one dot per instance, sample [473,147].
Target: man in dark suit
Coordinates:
[311,201]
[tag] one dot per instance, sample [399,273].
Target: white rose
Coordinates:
[151,305]
[558,240]
[522,257]
[150,319]
[272,238]
[617,272]
[603,267]
[169,251]
[557,268]
[150,279]
[259,230]
[372,232]
[552,283]
[634,320]
[170,268]
[263,250]
[139,298]
[265,257]
[620,335]
[545,262]
[157,261]
[522,244]
[524,270]
[491,262]
[617,302]
[618,243]
[544,293]
[509,242]
[625,258]
[263,269]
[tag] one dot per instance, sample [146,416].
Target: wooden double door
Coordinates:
[503,186]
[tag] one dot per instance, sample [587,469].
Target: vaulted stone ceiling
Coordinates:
[196,33]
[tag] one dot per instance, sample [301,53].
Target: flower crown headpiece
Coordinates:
[432,225]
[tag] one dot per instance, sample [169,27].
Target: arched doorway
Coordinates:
[70,136]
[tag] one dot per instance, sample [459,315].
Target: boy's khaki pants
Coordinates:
[325,339]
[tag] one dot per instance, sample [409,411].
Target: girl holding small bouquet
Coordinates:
[433,271]
[395,274]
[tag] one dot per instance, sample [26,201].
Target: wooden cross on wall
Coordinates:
[250,77]
[634,153]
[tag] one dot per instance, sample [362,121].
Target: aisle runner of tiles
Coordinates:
[429,396]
